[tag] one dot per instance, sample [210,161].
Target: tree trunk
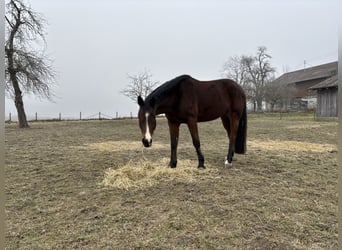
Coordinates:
[18,100]
[259,105]
[19,104]
[272,106]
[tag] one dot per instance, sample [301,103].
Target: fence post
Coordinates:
[80,116]
[131,116]
[99,115]
[36,116]
[116,115]
[10,117]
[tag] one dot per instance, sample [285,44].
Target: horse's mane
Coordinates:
[164,90]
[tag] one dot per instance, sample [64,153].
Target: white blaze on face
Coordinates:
[148,136]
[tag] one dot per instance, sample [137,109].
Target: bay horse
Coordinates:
[187,100]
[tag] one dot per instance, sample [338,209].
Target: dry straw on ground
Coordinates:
[143,173]
[118,146]
[146,173]
[293,146]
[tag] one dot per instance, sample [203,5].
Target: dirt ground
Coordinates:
[91,185]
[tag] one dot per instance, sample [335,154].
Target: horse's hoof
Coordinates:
[228,164]
[172,165]
[201,167]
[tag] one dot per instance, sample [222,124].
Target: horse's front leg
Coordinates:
[174,133]
[192,125]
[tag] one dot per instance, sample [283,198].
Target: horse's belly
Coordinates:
[208,116]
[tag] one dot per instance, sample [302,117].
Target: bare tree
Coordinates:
[140,84]
[27,68]
[260,72]
[235,69]
[253,73]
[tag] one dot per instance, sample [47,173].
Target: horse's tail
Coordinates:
[240,142]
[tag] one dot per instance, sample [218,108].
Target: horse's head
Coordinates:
[147,120]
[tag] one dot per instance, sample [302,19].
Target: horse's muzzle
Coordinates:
[147,143]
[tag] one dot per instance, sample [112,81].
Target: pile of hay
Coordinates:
[145,173]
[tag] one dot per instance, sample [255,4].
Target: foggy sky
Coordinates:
[95,44]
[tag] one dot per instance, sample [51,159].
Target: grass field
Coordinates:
[91,185]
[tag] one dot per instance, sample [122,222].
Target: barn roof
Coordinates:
[316,72]
[328,83]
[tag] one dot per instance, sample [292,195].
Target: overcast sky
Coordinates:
[95,44]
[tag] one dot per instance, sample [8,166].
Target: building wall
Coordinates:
[302,87]
[327,103]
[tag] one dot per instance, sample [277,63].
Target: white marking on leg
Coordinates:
[148,136]
[227,164]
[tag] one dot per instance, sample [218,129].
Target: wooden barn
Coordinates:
[327,97]
[304,96]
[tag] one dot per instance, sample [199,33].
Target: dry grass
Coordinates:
[90,185]
[114,146]
[291,146]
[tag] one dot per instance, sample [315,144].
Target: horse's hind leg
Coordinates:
[231,125]
[226,125]
[192,125]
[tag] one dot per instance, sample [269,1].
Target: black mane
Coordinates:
[163,90]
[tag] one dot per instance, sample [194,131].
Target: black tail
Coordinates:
[240,142]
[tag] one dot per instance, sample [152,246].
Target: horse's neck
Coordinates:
[164,106]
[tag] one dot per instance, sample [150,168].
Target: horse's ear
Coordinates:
[140,101]
[152,102]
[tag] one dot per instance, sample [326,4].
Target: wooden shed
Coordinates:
[303,82]
[327,97]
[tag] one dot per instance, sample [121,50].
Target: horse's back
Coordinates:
[221,91]
[212,99]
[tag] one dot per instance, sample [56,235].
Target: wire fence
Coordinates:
[10,117]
